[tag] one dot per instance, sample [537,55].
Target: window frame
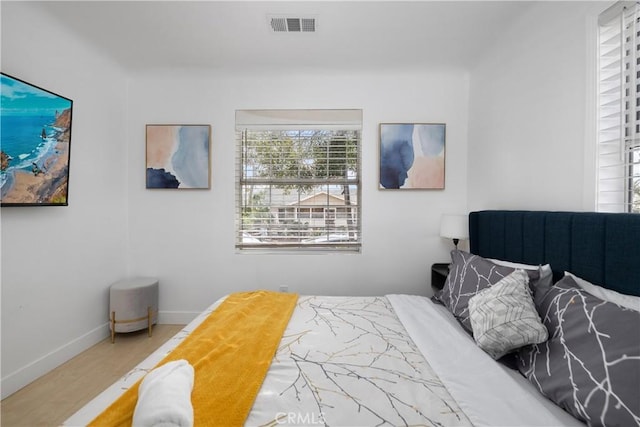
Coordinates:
[618,109]
[319,129]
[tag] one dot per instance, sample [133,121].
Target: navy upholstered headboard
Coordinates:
[603,248]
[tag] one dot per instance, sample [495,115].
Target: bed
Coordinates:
[410,360]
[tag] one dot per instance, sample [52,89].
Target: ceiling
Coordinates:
[144,35]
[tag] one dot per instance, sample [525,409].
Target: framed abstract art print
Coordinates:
[412,156]
[178,156]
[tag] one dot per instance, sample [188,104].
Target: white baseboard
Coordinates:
[176,317]
[34,370]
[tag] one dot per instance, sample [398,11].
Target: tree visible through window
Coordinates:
[298,184]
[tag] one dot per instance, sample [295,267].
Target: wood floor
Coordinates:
[56,396]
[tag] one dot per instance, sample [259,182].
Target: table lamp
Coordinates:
[454,226]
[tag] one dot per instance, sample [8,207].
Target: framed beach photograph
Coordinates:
[178,156]
[35,145]
[412,156]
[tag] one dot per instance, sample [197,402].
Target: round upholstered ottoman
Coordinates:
[133,305]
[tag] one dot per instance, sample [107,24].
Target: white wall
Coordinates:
[57,262]
[186,238]
[530,128]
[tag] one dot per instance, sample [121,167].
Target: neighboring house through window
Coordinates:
[298,179]
[618,149]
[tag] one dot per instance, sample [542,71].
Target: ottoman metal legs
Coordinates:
[133,305]
[113,321]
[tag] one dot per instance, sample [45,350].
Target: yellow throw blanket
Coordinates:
[231,352]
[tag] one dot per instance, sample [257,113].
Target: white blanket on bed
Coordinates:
[489,393]
[347,361]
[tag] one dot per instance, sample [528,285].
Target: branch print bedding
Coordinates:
[590,366]
[349,361]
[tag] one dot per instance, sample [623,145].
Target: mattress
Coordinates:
[389,360]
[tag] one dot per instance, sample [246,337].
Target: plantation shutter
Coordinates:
[298,179]
[618,149]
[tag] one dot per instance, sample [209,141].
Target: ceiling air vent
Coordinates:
[282,24]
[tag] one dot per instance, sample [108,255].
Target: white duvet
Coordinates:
[347,361]
[489,393]
[362,361]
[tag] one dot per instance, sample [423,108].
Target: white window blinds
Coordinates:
[618,150]
[298,179]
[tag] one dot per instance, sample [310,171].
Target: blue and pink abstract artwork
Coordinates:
[178,156]
[412,156]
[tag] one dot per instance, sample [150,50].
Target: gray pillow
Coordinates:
[590,366]
[504,318]
[468,275]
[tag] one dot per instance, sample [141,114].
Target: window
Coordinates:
[618,152]
[298,180]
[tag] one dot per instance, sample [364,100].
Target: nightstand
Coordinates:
[439,273]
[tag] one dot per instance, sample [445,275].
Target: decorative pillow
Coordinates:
[628,301]
[590,366]
[504,318]
[468,275]
[544,270]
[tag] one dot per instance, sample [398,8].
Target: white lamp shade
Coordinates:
[454,226]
